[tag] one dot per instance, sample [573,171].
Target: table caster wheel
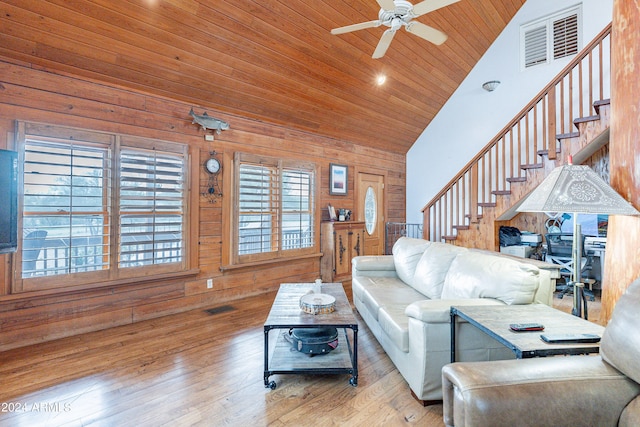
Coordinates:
[271,385]
[353,381]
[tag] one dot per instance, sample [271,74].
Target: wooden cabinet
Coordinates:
[340,242]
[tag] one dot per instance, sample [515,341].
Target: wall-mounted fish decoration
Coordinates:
[207,122]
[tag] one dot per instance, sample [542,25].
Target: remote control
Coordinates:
[526,327]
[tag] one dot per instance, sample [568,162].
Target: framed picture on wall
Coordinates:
[338,179]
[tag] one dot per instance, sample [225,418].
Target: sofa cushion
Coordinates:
[432,268]
[478,275]
[620,345]
[406,254]
[391,317]
[376,292]
[395,325]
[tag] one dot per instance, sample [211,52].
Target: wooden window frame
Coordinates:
[112,274]
[230,257]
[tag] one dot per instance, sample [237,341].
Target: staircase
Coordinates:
[570,116]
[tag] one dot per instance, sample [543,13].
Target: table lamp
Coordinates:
[576,189]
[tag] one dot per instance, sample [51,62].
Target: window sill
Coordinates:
[231,267]
[100,285]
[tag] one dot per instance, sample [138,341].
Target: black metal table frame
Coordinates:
[520,354]
[353,355]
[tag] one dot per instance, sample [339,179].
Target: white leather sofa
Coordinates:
[405,300]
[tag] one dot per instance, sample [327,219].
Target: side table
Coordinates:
[495,321]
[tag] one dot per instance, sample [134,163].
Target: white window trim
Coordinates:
[547,23]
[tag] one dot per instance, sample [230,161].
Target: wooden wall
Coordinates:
[622,261]
[31,94]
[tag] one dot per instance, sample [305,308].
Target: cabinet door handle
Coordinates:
[357,246]
[342,249]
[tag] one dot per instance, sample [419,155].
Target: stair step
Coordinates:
[487,204]
[542,153]
[576,122]
[501,192]
[461,227]
[469,216]
[532,166]
[598,104]
[569,135]
[517,179]
[449,238]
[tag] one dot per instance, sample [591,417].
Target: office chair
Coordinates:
[559,249]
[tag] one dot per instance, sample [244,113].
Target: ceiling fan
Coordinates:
[397,13]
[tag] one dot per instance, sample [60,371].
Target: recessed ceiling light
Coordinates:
[381,79]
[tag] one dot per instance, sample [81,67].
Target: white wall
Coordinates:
[473,116]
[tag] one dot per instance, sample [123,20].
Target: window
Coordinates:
[98,207]
[151,207]
[550,38]
[274,214]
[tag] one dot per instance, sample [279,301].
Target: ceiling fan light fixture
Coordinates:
[491,85]
[396,14]
[381,79]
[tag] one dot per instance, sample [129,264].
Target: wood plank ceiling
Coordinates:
[270,60]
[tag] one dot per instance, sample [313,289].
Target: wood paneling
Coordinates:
[31,94]
[622,260]
[274,61]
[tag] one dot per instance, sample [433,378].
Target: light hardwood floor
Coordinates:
[195,368]
[198,368]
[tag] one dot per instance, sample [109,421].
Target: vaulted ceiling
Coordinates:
[270,60]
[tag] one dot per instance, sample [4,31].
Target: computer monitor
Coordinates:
[594,225]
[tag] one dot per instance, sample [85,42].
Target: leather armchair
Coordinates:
[600,390]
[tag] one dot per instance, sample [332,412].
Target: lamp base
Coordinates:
[579,300]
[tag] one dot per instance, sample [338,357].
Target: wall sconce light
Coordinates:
[491,85]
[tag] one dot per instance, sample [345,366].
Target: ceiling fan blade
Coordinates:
[426,32]
[383,44]
[356,27]
[387,4]
[430,5]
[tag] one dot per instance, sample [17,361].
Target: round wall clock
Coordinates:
[212,165]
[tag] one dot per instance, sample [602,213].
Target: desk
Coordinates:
[495,321]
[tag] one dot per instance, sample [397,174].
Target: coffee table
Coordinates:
[494,320]
[280,358]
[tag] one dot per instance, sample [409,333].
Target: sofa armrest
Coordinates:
[439,310]
[373,265]
[559,391]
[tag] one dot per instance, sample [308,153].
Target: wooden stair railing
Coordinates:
[522,143]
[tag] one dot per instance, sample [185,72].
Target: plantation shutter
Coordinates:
[297,230]
[258,225]
[65,207]
[550,38]
[565,37]
[151,207]
[275,208]
[535,46]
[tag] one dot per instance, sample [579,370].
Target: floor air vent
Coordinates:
[221,309]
